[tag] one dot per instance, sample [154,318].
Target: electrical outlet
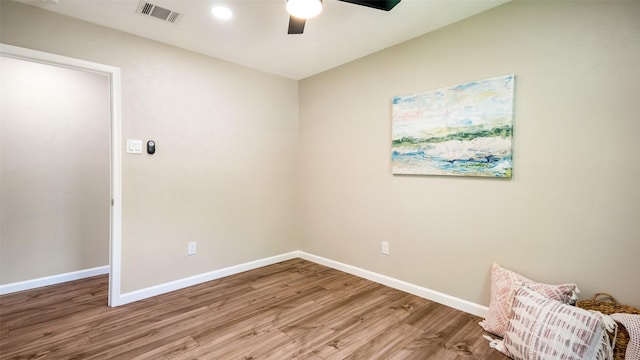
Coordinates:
[385,248]
[191,248]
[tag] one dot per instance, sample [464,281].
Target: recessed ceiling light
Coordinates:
[221,12]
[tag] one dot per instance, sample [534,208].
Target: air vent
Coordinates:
[149,9]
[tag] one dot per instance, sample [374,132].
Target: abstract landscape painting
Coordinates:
[463,130]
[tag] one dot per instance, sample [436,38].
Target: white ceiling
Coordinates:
[257,36]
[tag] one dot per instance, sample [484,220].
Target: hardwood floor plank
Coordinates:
[342,309]
[235,334]
[268,345]
[48,350]
[291,310]
[465,342]
[138,314]
[386,344]
[171,350]
[355,336]
[140,338]
[444,338]
[17,310]
[308,337]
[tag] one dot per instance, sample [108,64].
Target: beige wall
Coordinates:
[571,211]
[225,170]
[54,170]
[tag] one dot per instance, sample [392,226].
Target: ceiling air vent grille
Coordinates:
[147,8]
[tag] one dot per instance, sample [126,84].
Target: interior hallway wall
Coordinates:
[225,170]
[54,170]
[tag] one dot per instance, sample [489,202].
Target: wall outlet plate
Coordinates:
[191,248]
[385,247]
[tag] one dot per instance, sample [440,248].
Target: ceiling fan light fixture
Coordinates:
[304,9]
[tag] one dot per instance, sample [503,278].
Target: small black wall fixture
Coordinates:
[151,147]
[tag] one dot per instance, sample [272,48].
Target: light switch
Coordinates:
[134,146]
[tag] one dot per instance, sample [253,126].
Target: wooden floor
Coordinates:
[291,310]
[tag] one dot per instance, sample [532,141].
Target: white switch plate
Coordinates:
[134,146]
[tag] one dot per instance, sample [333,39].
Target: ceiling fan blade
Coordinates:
[296,25]
[385,5]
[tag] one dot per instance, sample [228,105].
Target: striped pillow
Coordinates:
[547,329]
[504,284]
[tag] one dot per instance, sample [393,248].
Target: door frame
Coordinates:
[113,73]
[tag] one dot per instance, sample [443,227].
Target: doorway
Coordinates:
[61,181]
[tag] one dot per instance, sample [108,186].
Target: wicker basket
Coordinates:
[608,305]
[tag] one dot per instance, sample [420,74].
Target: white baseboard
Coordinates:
[201,278]
[448,300]
[52,280]
[436,296]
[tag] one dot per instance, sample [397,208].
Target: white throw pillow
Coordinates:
[504,284]
[541,328]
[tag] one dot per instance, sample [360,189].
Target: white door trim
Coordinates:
[113,73]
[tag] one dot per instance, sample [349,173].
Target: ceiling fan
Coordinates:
[301,10]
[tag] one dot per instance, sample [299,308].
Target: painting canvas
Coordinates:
[463,130]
